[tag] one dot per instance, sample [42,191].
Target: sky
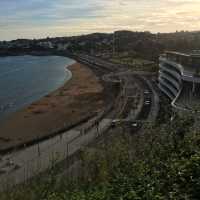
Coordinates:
[50,18]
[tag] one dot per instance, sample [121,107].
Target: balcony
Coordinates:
[173,81]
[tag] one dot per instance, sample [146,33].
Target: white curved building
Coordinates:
[179,79]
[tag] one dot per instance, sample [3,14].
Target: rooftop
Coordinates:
[192,53]
[187,62]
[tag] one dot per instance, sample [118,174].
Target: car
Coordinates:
[7,169]
[115,122]
[9,162]
[146,92]
[147,102]
[134,125]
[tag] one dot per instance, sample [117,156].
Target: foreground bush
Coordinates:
[161,162]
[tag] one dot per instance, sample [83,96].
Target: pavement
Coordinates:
[20,166]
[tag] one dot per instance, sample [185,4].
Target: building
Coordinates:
[47,44]
[179,79]
[63,46]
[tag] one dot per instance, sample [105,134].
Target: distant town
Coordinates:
[143,44]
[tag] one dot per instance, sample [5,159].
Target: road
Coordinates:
[38,158]
[136,100]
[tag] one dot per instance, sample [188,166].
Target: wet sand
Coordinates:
[76,100]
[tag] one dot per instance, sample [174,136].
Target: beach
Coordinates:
[76,100]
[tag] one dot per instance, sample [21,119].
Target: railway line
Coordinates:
[133,104]
[128,78]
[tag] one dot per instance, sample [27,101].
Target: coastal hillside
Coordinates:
[144,44]
[162,162]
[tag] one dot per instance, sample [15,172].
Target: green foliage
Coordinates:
[162,162]
[134,62]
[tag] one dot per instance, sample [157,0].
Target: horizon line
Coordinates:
[85,34]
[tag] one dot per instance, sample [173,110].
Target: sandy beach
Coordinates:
[75,100]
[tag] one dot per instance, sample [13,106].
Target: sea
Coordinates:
[25,79]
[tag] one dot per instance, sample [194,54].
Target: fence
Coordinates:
[39,157]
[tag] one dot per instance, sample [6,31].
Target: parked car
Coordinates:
[146,92]
[115,122]
[147,102]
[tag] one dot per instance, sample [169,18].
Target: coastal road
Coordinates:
[122,74]
[18,167]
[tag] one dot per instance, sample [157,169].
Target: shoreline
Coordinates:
[74,101]
[9,107]
[35,53]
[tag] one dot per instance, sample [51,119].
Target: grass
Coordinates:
[134,62]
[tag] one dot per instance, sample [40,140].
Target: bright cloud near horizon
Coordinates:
[43,18]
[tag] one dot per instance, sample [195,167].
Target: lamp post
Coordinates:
[114,43]
[38,145]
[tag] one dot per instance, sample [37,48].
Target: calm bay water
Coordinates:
[25,79]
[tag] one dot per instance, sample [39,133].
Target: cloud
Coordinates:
[41,18]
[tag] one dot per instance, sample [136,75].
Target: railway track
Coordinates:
[24,164]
